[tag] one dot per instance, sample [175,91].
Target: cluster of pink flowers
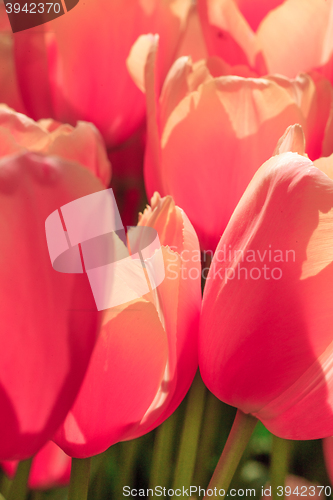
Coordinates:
[228,107]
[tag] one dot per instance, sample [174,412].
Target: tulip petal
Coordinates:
[293,140]
[304,24]
[229,121]
[179,298]
[47,345]
[124,373]
[82,144]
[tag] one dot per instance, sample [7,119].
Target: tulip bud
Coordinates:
[51,467]
[146,356]
[265,343]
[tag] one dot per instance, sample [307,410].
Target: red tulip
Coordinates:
[208,134]
[146,356]
[265,343]
[271,36]
[51,467]
[49,319]
[75,69]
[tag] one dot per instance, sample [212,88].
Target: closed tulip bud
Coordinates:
[209,131]
[51,467]
[49,319]
[146,356]
[265,343]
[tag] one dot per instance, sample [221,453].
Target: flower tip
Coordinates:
[293,140]
[138,56]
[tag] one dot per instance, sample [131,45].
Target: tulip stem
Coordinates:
[163,451]
[79,483]
[190,434]
[281,449]
[5,484]
[239,436]
[19,487]
[210,429]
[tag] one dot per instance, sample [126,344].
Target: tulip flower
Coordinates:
[265,342]
[208,134]
[75,69]
[146,356]
[51,467]
[274,36]
[82,144]
[49,319]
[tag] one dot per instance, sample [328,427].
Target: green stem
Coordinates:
[19,487]
[98,481]
[190,435]
[281,449]
[237,441]
[210,429]
[128,455]
[162,453]
[5,484]
[79,483]
[37,495]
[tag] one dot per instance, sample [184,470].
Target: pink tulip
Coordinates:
[146,356]
[270,36]
[82,144]
[265,343]
[208,134]
[75,69]
[49,319]
[51,467]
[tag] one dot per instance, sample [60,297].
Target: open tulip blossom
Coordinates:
[221,124]
[166,249]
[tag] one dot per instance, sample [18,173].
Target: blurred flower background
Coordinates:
[212,121]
